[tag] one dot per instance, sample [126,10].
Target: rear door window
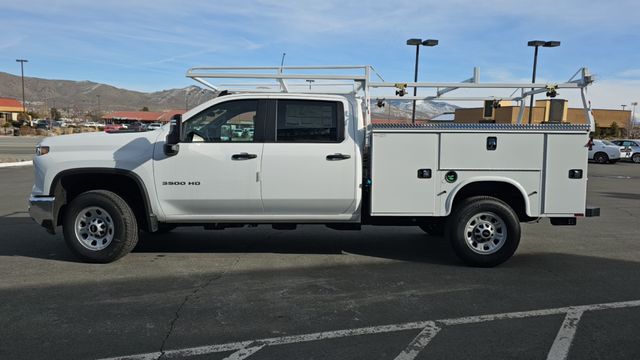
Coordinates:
[305,121]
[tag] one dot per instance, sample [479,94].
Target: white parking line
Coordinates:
[564,338]
[562,343]
[245,352]
[419,342]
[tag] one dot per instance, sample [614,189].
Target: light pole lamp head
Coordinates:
[414,42]
[536,43]
[551,44]
[430,42]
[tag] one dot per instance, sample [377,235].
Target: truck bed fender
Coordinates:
[479,179]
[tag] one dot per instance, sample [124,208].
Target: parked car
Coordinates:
[154,126]
[137,126]
[237,132]
[604,151]
[42,124]
[113,128]
[629,149]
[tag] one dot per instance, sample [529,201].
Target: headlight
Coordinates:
[42,150]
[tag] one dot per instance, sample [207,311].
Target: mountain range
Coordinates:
[87,96]
[401,109]
[76,98]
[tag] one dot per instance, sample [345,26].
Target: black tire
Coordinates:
[485,252]
[434,227]
[107,227]
[601,158]
[636,158]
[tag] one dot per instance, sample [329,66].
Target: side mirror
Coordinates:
[172,146]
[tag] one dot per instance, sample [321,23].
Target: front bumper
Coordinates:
[41,210]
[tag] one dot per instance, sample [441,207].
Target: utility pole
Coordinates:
[24,105]
[98,112]
[633,115]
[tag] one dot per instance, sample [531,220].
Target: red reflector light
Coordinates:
[578,215]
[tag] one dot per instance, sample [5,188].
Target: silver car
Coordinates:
[629,149]
[604,151]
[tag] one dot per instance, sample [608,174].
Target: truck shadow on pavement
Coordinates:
[408,244]
[22,237]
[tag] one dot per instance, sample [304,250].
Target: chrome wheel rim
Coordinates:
[94,228]
[485,233]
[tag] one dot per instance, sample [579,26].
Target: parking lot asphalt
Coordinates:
[316,293]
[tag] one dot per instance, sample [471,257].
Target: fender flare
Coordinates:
[461,185]
[55,189]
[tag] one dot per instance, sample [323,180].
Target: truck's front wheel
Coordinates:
[99,226]
[483,231]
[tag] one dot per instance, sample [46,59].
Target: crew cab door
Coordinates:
[309,160]
[215,174]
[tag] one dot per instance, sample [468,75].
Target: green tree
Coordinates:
[614,129]
[144,109]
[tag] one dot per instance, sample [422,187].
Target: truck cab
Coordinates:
[299,160]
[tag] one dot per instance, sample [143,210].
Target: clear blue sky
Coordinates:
[148,44]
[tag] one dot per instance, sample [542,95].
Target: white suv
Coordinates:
[604,151]
[154,126]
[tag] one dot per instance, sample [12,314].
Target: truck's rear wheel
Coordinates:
[483,231]
[100,227]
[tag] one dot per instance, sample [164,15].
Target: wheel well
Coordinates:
[125,186]
[497,189]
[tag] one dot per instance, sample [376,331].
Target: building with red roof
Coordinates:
[127,117]
[9,109]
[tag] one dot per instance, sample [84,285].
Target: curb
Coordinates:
[19,163]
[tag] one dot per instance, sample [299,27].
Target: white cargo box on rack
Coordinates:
[418,170]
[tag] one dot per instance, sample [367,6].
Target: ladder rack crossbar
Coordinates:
[292,79]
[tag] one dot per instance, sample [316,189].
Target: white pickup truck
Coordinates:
[293,157]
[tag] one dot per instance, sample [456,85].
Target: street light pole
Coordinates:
[98,112]
[536,44]
[623,106]
[633,114]
[417,43]
[415,89]
[24,105]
